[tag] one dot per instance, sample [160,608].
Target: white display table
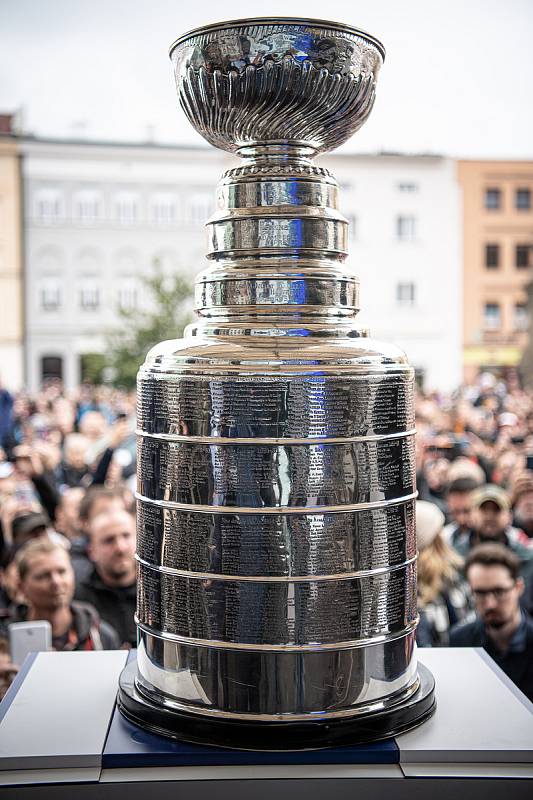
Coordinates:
[60,733]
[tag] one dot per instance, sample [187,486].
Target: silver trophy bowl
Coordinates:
[268,80]
[276,463]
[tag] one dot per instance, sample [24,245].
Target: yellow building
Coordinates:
[11,273]
[498,254]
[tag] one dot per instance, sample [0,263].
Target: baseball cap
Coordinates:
[26,523]
[491,493]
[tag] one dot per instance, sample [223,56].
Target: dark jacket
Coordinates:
[517,662]
[88,631]
[116,605]
[6,416]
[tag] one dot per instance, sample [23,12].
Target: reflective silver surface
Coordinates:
[277,79]
[267,685]
[276,468]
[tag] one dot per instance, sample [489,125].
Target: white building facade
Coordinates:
[406,247]
[98,216]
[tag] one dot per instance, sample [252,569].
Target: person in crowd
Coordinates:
[95,501]
[28,526]
[47,584]
[111,586]
[94,426]
[67,517]
[6,416]
[10,593]
[459,507]
[491,519]
[501,627]
[101,500]
[68,522]
[522,500]
[432,480]
[74,470]
[464,467]
[8,670]
[443,598]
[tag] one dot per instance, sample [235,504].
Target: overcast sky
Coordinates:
[458,77]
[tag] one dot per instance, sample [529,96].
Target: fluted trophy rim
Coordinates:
[305,21]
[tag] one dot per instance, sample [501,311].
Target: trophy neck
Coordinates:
[277,153]
[277,244]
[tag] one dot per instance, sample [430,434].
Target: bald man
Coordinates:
[111,586]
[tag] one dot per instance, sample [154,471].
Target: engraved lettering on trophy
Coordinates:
[276,461]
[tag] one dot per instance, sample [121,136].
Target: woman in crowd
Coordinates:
[443,598]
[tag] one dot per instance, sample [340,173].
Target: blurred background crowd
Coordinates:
[67,519]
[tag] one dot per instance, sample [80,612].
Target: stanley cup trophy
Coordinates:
[276,457]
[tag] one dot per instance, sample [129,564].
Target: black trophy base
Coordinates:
[302,735]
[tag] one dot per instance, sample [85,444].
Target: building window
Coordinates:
[523,199]
[126,208]
[51,368]
[163,209]
[405,228]
[405,294]
[520,317]
[408,188]
[491,316]
[492,256]
[50,294]
[127,294]
[522,255]
[87,205]
[49,205]
[89,294]
[198,208]
[493,198]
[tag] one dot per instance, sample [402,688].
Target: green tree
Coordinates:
[92,366]
[164,317]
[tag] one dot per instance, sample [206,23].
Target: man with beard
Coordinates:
[502,628]
[111,586]
[491,522]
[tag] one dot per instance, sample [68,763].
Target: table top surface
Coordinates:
[60,718]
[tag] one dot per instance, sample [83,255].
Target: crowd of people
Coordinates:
[67,519]
[475,522]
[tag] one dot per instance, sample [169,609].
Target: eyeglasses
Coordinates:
[498,593]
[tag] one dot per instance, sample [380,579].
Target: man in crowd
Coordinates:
[100,500]
[67,519]
[47,584]
[68,522]
[501,626]
[491,520]
[111,586]
[459,508]
[523,504]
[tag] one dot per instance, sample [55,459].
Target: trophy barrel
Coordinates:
[276,461]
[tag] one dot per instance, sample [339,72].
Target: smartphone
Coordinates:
[28,637]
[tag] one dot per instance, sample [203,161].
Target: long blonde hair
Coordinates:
[438,565]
